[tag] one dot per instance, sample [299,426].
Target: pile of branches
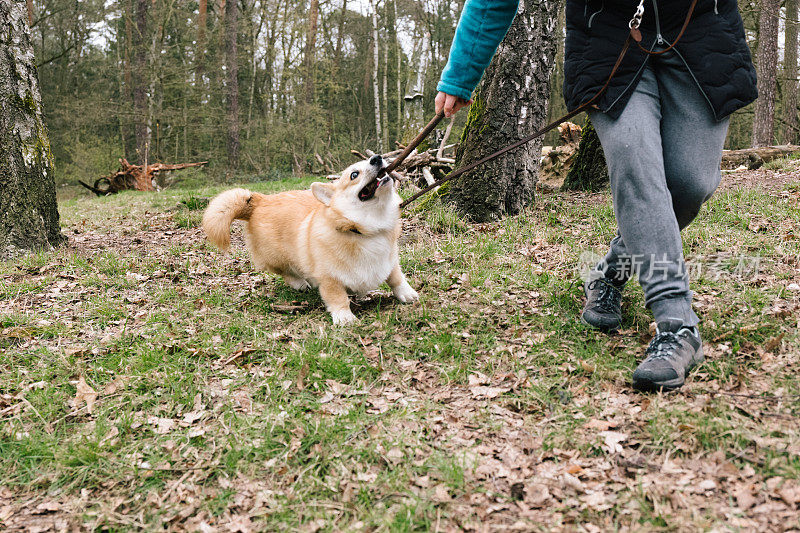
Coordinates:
[556,161]
[421,168]
[133,177]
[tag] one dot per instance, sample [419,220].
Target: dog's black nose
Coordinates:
[376,160]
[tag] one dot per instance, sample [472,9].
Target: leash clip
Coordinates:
[636,21]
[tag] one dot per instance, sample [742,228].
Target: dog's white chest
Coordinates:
[370,266]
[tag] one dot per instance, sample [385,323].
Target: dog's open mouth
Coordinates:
[369,190]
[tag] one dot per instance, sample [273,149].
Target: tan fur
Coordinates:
[324,237]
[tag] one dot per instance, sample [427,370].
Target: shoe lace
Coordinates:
[662,346]
[609,297]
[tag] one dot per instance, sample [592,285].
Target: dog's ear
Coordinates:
[322,192]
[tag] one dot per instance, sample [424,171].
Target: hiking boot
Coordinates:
[672,353]
[603,309]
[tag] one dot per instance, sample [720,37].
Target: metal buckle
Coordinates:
[636,21]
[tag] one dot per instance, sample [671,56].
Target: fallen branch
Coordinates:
[754,158]
[133,177]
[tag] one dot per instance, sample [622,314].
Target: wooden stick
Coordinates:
[416,142]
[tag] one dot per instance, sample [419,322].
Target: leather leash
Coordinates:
[635,35]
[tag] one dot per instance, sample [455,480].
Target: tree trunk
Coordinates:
[340,36]
[589,171]
[398,51]
[790,73]
[767,66]
[254,33]
[510,103]
[414,118]
[385,115]
[139,80]
[202,15]
[375,90]
[311,45]
[28,211]
[125,83]
[232,73]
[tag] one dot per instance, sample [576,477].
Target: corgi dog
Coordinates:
[339,237]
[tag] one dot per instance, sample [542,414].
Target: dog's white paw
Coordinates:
[343,317]
[405,293]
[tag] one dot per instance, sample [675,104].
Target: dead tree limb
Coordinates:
[133,177]
[753,158]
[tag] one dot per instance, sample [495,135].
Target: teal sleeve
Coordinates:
[482,26]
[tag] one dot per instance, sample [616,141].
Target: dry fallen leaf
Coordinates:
[85,394]
[481,392]
[600,425]
[537,495]
[441,494]
[240,524]
[6,512]
[612,440]
[163,425]
[395,455]
[744,498]
[790,494]
[48,507]
[574,469]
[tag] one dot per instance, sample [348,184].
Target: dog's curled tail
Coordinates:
[222,211]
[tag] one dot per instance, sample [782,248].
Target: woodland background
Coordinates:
[273,87]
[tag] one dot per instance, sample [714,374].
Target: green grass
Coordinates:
[216,402]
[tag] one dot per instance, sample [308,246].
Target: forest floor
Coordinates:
[149,382]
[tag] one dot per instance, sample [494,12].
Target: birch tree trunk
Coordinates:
[375,90]
[414,118]
[28,211]
[232,81]
[766,67]
[398,54]
[308,55]
[511,102]
[139,80]
[385,115]
[790,69]
[202,15]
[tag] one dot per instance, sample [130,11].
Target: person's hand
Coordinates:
[449,104]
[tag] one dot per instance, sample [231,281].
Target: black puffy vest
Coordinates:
[713,48]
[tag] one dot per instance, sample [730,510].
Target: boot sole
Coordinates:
[605,329]
[671,384]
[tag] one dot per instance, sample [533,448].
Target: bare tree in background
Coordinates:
[308,54]
[767,67]
[510,103]
[790,72]
[232,81]
[28,211]
[202,16]
[414,118]
[139,80]
[375,89]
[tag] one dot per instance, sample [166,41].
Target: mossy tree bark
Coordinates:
[28,211]
[511,102]
[589,171]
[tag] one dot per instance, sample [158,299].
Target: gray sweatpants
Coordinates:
[663,156]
